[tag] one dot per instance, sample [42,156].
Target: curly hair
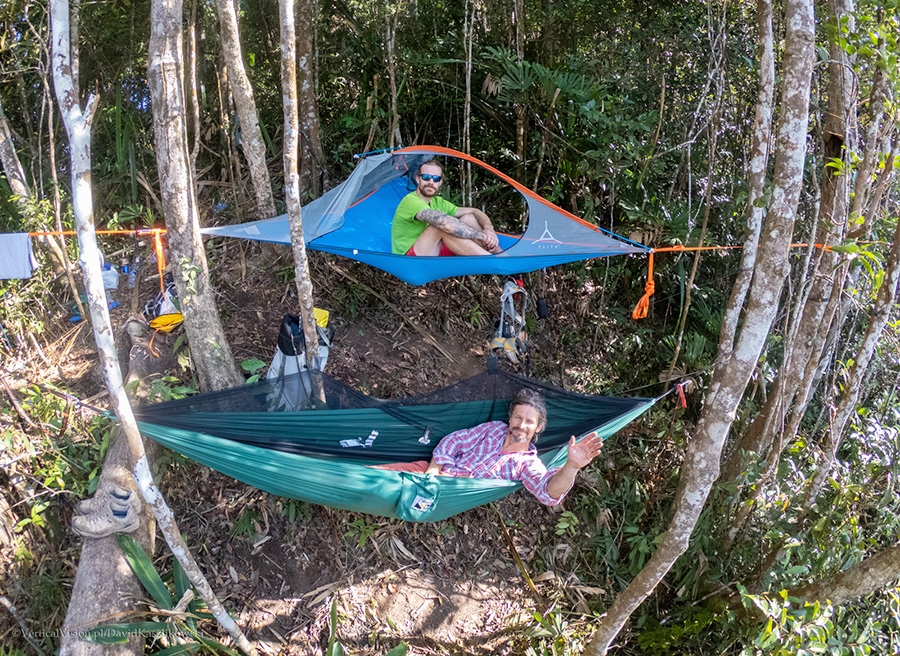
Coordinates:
[535,399]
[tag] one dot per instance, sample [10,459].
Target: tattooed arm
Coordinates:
[450,224]
[490,237]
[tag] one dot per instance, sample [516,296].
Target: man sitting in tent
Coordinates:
[498,450]
[426,224]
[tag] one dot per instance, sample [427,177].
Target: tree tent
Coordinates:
[354,220]
[319,454]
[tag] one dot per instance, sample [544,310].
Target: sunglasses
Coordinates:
[428,177]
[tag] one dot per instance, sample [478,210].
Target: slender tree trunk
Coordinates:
[701,465]
[518,22]
[252,142]
[312,156]
[57,206]
[717,74]
[78,127]
[9,158]
[884,304]
[210,353]
[394,138]
[757,173]
[292,185]
[195,96]
[468,34]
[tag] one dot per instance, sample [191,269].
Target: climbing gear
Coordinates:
[510,337]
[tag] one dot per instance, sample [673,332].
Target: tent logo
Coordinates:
[548,238]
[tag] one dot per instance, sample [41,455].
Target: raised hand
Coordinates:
[581,453]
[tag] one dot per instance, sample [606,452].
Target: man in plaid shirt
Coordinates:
[498,450]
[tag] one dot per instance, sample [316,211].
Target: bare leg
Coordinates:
[470,220]
[429,243]
[419,466]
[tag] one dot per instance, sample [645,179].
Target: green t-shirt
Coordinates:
[406,228]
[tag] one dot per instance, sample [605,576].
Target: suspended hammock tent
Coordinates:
[321,454]
[354,220]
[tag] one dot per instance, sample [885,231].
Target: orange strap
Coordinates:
[640,311]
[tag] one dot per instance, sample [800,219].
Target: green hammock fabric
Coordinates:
[300,455]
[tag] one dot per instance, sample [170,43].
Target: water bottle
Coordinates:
[132,273]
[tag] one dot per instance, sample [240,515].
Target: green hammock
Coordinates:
[268,435]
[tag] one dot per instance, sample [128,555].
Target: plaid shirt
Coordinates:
[476,452]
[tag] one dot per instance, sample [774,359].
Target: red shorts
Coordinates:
[444,252]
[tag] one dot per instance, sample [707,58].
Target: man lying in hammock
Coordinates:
[498,450]
[426,224]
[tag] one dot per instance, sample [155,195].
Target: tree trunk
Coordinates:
[884,304]
[468,36]
[394,138]
[756,177]
[806,346]
[312,155]
[78,127]
[520,108]
[12,166]
[871,575]
[210,353]
[701,465]
[292,184]
[104,584]
[252,142]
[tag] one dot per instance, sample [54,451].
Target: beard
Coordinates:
[518,437]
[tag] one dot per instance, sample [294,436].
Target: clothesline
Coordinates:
[156,233]
[643,305]
[640,311]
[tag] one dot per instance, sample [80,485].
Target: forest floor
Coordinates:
[452,587]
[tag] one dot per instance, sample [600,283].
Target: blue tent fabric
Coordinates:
[353,220]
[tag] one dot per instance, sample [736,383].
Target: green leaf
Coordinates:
[399,650]
[252,364]
[180,650]
[143,567]
[182,585]
[212,644]
[334,647]
[118,634]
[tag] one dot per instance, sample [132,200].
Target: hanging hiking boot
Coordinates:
[109,492]
[106,519]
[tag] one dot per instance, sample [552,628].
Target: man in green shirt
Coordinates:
[426,224]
